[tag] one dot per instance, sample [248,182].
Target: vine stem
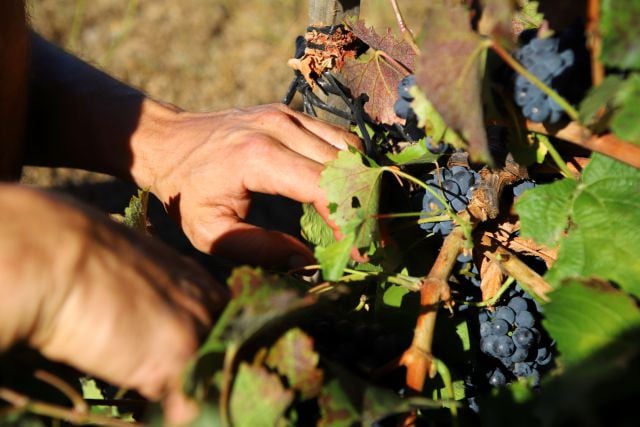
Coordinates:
[491,301]
[23,402]
[557,158]
[418,358]
[406,32]
[607,144]
[594,41]
[506,57]
[79,404]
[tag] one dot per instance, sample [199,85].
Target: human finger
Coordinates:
[334,135]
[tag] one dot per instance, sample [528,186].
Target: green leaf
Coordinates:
[314,229]
[353,192]
[620,33]
[334,258]
[258,398]
[294,358]
[544,211]
[135,215]
[336,408]
[601,212]
[584,318]
[449,72]
[599,97]
[393,295]
[413,154]
[626,120]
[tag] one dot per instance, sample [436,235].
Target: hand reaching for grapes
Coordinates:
[88,292]
[217,160]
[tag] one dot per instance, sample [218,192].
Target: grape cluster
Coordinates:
[402,108]
[541,57]
[511,335]
[456,185]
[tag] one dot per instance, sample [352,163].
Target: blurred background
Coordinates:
[198,54]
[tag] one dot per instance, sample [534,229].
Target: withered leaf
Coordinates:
[378,72]
[293,357]
[448,70]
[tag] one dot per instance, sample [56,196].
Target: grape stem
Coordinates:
[418,358]
[458,219]
[23,403]
[491,301]
[406,32]
[511,61]
[559,161]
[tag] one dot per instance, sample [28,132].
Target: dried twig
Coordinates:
[79,404]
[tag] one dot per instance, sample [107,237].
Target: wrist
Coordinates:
[153,143]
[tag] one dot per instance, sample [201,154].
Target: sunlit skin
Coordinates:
[89,292]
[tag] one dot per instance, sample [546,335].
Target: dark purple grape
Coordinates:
[497,378]
[405,85]
[517,304]
[525,319]
[520,355]
[506,314]
[522,369]
[402,108]
[500,327]
[485,329]
[504,346]
[523,337]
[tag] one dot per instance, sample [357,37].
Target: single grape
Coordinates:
[520,355]
[402,108]
[506,314]
[500,327]
[488,344]
[523,337]
[504,346]
[497,378]
[522,369]
[485,329]
[405,85]
[525,319]
[517,304]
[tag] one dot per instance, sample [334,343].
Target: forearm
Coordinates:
[81,117]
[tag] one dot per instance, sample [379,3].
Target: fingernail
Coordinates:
[297,261]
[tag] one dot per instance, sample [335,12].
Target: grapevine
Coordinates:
[486,268]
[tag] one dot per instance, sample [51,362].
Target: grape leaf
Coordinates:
[432,121]
[378,72]
[544,212]
[598,97]
[293,357]
[626,120]
[601,212]
[135,215]
[584,318]
[620,33]
[258,398]
[416,153]
[496,19]
[448,70]
[314,229]
[353,190]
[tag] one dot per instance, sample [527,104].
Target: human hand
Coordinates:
[100,297]
[211,164]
